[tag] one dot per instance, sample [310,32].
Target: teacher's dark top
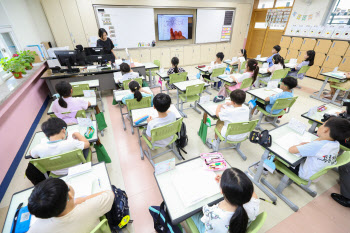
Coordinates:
[106,45]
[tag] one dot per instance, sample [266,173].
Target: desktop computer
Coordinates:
[67,58]
[98,54]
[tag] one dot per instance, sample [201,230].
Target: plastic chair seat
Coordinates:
[284,169]
[270,114]
[228,141]
[149,144]
[191,98]
[191,225]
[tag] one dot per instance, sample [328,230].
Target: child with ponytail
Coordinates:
[309,61]
[66,103]
[137,92]
[239,207]
[242,57]
[252,70]
[174,70]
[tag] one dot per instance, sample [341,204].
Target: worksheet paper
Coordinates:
[195,185]
[291,139]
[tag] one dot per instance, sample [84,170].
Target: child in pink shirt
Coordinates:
[67,103]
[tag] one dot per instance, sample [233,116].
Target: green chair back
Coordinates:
[286,61]
[57,162]
[243,66]
[303,69]
[102,227]
[246,83]
[156,62]
[78,89]
[177,77]
[256,225]
[126,82]
[284,103]
[194,89]
[134,104]
[241,127]
[80,113]
[280,74]
[166,131]
[218,71]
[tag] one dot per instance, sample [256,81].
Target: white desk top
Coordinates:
[163,75]
[336,75]
[203,69]
[263,71]
[226,78]
[262,59]
[97,170]
[182,85]
[291,159]
[39,136]
[118,95]
[117,78]
[210,107]
[262,93]
[177,211]
[290,65]
[92,83]
[138,113]
[228,62]
[150,65]
[92,101]
[319,115]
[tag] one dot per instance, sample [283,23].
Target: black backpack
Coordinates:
[182,140]
[34,175]
[119,210]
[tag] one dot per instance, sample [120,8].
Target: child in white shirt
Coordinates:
[239,207]
[215,65]
[323,151]
[278,64]
[161,103]
[127,73]
[55,129]
[242,57]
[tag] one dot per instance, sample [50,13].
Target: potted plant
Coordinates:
[27,58]
[13,65]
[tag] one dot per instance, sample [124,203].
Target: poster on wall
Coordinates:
[346,33]
[328,31]
[319,31]
[338,32]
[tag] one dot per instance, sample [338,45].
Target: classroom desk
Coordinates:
[228,62]
[263,71]
[163,75]
[118,96]
[261,59]
[316,117]
[281,153]
[92,101]
[38,136]
[203,69]
[340,76]
[116,79]
[181,87]
[209,108]
[262,93]
[290,65]
[226,79]
[98,170]
[152,81]
[177,211]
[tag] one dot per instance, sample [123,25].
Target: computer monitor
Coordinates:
[67,58]
[89,51]
[98,54]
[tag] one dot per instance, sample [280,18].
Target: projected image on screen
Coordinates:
[175,27]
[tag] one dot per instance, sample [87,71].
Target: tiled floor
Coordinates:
[129,172]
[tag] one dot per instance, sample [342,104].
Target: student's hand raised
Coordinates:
[218,178]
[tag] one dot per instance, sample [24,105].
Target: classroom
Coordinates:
[210,116]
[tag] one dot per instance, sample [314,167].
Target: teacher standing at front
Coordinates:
[105,42]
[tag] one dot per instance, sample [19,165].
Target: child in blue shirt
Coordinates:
[275,50]
[323,151]
[137,92]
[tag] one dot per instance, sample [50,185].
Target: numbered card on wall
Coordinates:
[305,30]
[328,31]
[346,33]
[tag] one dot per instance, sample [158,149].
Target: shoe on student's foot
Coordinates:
[327,95]
[339,97]
[209,143]
[341,199]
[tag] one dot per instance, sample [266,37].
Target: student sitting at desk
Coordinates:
[324,150]
[52,202]
[67,103]
[228,113]
[161,103]
[252,70]
[345,85]
[287,85]
[137,92]
[174,70]
[238,209]
[127,73]
[275,50]
[309,61]
[215,65]
[242,56]
[278,64]
[55,129]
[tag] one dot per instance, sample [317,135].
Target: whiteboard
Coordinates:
[127,27]
[210,26]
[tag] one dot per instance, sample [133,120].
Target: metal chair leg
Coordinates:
[140,143]
[258,127]
[240,152]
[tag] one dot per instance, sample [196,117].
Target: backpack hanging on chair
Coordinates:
[182,140]
[161,220]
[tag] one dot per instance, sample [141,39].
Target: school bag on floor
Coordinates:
[119,216]
[21,220]
[161,220]
[182,140]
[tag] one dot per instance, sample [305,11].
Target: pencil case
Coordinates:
[202,66]
[321,108]
[214,161]
[141,119]
[89,132]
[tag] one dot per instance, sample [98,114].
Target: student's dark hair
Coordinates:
[277,48]
[311,57]
[339,128]
[220,55]
[135,88]
[64,89]
[101,31]
[162,102]
[53,126]
[252,64]
[237,190]
[278,59]
[238,96]
[175,62]
[290,82]
[244,52]
[49,198]
[124,67]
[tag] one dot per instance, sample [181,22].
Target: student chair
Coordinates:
[243,66]
[80,113]
[134,104]
[302,71]
[235,129]
[161,133]
[338,89]
[175,78]
[285,103]
[245,84]
[289,177]
[254,226]
[216,72]
[126,83]
[192,94]
[154,70]
[78,89]
[277,75]
[57,162]
[102,227]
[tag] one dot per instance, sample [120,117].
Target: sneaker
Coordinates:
[339,97]
[327,95]
[209,143]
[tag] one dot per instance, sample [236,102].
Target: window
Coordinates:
[284,3]
[265,4]
[339,14]
[8,46]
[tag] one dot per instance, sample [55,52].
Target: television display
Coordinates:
[175,27]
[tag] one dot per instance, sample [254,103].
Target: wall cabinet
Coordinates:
[208,53]
[179,53]
[165,57]
[192,55]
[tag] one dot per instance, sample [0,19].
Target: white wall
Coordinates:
[28,21]
[4,20]
[302,8]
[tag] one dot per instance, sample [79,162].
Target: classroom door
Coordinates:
[272,38]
